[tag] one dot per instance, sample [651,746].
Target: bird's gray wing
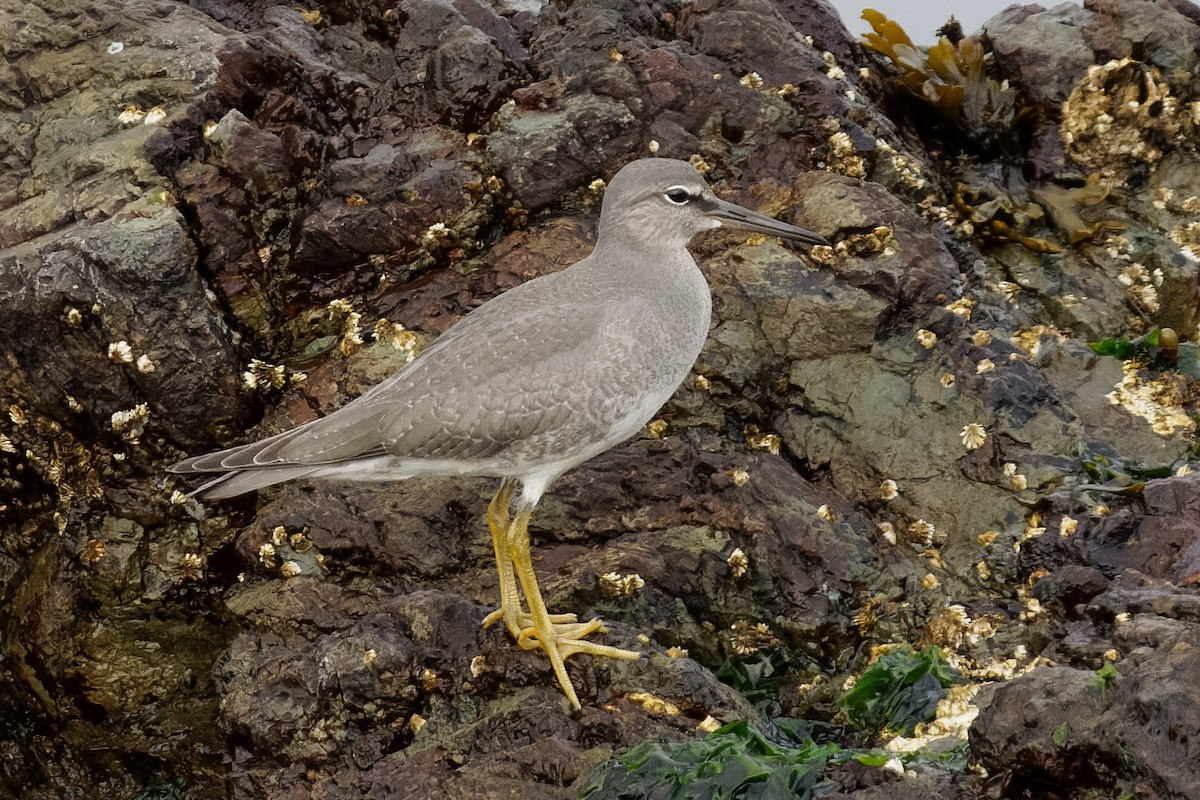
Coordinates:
[471,394]
[543,371]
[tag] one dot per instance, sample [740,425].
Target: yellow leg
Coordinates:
[510,600]
[559,640]
[515,618]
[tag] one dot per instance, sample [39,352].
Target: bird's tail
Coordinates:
[231,484]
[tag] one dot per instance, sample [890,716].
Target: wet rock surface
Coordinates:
[222,219]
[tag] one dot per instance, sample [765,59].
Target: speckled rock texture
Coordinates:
[220,219]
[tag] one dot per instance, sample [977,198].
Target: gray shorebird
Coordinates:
[531,384]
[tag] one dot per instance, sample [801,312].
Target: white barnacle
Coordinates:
[738,563]
[767,442]
[962,307]
[981,338]
[144,364]
[121,352]
[155,115]
[1016,481]
[268,376]
[131,423]
[921,532]
[926,338]
[656,429]
[610,584]
[130,115]
[751,80]
[436,233]
[973,436]
[1067,526]
[888,490]
[1010,291]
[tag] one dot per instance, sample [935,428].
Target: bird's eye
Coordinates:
[677,195]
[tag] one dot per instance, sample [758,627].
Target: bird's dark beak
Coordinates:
[743,219]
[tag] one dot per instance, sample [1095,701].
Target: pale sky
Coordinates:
[920,19]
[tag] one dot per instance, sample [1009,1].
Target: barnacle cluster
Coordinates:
[351,335]
[402,338]
[36,453]
[1141,283]
[1187,236]
[292,552]
[1120,116]
[1159,399]
[614,584]
[746,638]
[262,376]
[843,157]
[767,442]
[131,423]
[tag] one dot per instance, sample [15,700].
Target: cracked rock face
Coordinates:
[223,219]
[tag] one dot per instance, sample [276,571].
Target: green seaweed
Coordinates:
[757,677]
[737,762]
[900,690]
[1155,349]
[1060,734]
[734,761]
[164,790]
[1106,676]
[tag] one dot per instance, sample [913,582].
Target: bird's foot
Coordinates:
[563,640]
[568,639]
[518,622]
[562,628]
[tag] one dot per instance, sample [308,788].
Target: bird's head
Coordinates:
[667,202]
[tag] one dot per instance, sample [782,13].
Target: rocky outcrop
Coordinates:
[221,219]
